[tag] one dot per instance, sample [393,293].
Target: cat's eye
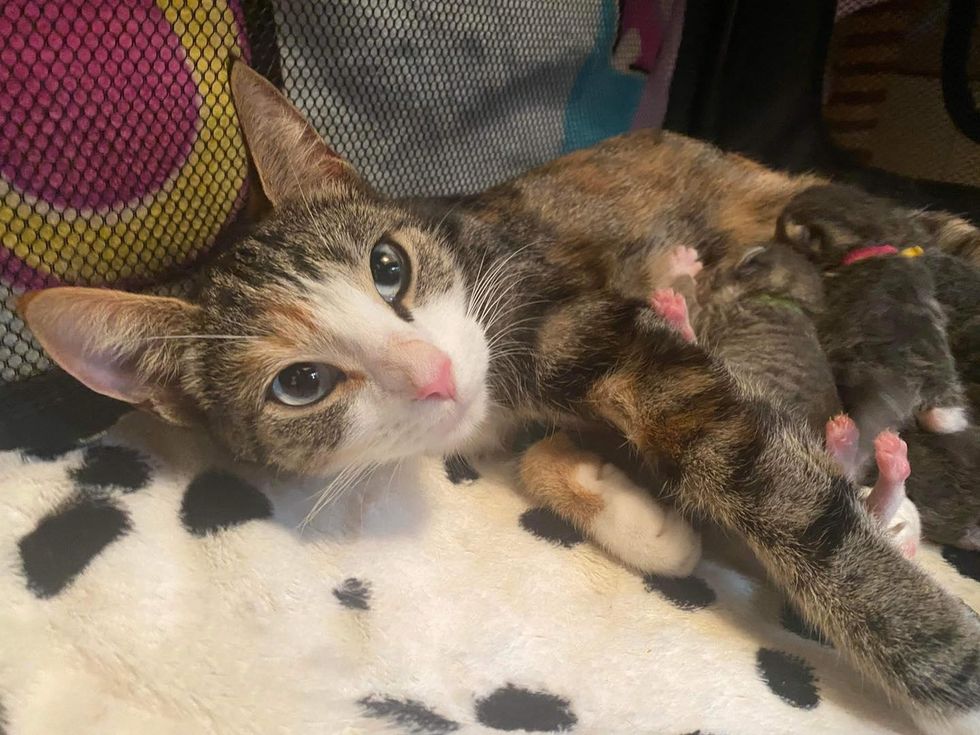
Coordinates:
[304,383]
[389,269]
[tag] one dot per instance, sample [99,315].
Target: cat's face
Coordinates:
[338,333]
[363,346]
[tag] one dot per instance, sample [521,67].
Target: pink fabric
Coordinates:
[97,100]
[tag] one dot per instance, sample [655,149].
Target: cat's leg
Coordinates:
[609,508]
[672,308]
[745,464]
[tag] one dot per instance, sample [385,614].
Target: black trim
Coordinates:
[957,95]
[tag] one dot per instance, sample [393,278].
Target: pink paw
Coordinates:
[841,439]
[672,308]
[684,261]
[888,493]
[892,458]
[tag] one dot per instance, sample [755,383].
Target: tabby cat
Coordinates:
[349,328]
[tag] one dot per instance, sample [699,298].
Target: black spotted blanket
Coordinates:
[147,585]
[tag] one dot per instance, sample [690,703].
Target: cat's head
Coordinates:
[336,333]
[826,222]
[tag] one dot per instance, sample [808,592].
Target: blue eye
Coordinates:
[304,383]
[389,269]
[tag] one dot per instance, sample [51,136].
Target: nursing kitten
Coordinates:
[759,319]
[350,329]
[883,329]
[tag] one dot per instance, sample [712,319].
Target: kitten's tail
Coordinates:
[748,466]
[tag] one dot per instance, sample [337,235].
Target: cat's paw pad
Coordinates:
[892,458]
[636,528]
[672,308]
[683,261]
[841,440]
[947,420]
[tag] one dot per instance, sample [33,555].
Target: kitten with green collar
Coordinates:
[350,328]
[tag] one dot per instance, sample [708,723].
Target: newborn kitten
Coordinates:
[759,320]
[883,329]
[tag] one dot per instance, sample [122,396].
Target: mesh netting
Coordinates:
[893,74]
[120,159]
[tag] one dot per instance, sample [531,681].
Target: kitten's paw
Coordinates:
[635,528]
[672,308]
[947,420]
[892,458]
[683,261]
[841,440]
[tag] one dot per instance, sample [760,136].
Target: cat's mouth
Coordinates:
[454,422]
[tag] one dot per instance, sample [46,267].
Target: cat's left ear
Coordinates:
[292,160]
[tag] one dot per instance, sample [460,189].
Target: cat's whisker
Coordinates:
[497,272]
[327,492]
[191,336]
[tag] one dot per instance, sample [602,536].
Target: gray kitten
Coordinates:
[883,328]
[759,318]
[902,331]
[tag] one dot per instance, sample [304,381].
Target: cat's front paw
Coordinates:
[636,528]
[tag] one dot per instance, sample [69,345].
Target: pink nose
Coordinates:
[441,385]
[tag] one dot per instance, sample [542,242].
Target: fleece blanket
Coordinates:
[148,584]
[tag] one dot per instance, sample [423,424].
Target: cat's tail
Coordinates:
[751,468]
[895,623]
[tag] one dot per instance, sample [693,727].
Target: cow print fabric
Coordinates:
[408,606]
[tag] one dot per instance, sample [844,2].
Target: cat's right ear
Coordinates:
[292,160]
[126,346]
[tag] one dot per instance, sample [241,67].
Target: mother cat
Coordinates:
[350,329]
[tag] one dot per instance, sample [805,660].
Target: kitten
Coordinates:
[883,329]
[351,329]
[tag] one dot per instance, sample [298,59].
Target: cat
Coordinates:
[351,329]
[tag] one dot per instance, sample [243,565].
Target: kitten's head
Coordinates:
[770,269]
[336,333]
[826,222]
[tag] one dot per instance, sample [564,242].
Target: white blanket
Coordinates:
[148,585]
